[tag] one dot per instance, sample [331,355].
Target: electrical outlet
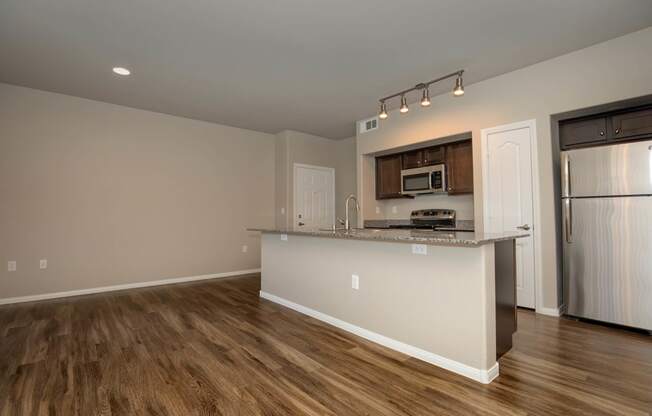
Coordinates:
[284,237]
[355,281]
[245,248]
[419,249]
[11,266]
[394,209]
[282,211]
[43,264]
[377,210]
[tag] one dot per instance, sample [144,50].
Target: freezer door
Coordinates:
[608,259]
[623,169]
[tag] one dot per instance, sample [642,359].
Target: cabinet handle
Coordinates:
[617,131]
[601,133]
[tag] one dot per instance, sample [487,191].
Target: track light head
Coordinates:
[404,107]
[383,111]
[458,91]
[425,98]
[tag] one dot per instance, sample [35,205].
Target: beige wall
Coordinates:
[295,147]
[610,71]
[112,195]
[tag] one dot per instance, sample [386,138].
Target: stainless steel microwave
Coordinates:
[428,180]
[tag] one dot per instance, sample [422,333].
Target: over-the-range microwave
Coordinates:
[427,180]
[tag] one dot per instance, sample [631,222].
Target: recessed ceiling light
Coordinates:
[121,71]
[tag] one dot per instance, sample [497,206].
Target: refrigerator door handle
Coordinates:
[568,212]
[567,172]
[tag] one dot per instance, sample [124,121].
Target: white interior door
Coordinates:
[314,197]
[508,197]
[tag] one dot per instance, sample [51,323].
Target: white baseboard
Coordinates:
[556,312]
[483,376]
[89,291]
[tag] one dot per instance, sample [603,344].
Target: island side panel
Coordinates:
[442,302]
[505,295]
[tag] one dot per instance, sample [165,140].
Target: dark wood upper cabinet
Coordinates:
[459,166]
[434,155]
[582,132]
[631,125]
[388,177]
[424,157]
[413,159]
[457,156]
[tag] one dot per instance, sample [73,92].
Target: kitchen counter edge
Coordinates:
[458,238]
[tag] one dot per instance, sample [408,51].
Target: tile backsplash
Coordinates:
[401,208]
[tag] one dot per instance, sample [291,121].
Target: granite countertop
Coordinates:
[435,238]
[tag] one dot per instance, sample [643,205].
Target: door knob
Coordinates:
[523,227]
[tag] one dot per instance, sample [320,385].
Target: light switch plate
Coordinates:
[284,237]
[245,248]
[355,281]
[394,209]
[11,266]
[43,264]
[419,249]
[377,210]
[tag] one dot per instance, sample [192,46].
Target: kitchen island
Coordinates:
[447,298]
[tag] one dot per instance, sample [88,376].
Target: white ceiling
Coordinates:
[269,65]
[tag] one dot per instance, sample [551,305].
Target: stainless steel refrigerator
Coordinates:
[607,233]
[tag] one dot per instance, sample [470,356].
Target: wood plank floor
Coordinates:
[215,348]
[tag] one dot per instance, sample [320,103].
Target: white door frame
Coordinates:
[536,235]
[294,188]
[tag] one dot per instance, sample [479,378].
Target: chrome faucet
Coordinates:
[347,223]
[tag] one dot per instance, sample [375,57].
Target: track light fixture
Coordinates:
[383,111]
[425,97]
[404,108]
[424,87]
[458,91]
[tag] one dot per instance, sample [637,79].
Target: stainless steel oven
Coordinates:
[428,180]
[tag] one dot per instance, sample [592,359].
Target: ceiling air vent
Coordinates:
[368,125]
